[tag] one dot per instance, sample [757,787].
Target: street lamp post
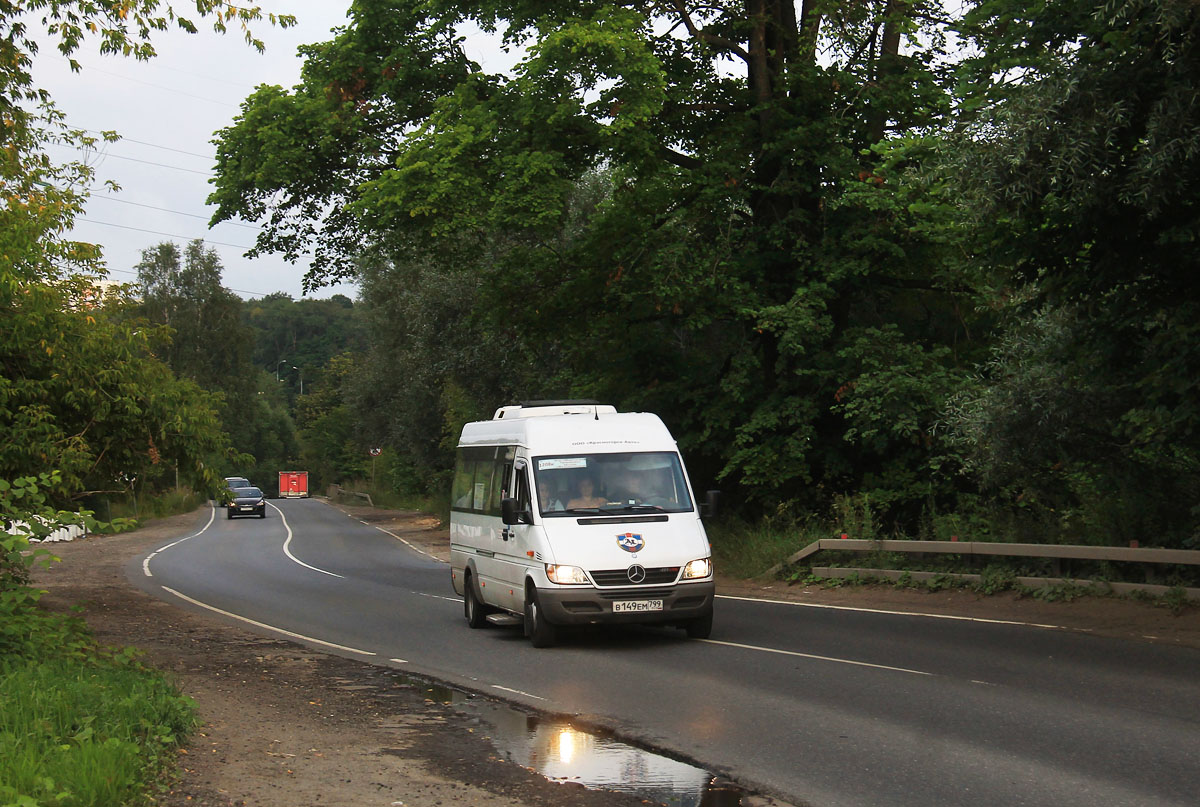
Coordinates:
[281,361]
[301,371]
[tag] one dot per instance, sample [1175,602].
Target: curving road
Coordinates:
[818,706]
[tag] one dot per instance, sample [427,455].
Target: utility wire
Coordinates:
[151,84]
[123,139]
[160,165]
[104,153]
[156,232]
[175,212]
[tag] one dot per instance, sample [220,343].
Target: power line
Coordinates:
[123,139]
[105,153]
[156,232]
[175,212]
[160,165]
[152,84]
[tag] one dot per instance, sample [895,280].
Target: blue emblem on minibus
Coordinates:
[630,542]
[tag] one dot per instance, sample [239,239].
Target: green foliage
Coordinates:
[1175,600]
[941,289]
[203,337]
[1083,187]
[80,393]
[290,336]
[91,733]
[725,249]
[331,449]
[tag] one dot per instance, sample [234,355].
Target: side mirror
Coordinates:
[508,511]
[712,503]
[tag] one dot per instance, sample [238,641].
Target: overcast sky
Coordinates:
[166,111]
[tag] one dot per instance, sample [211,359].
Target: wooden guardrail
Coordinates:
[1186,557]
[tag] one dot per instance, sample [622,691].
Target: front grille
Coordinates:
[640,594]
[620,577]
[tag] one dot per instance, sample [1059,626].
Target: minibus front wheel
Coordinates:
[540,632]
[473,610]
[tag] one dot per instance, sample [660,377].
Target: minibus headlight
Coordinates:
[697,569]
[565,575]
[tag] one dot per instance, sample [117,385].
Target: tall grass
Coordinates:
[748,549]
[85,733]
[159,505]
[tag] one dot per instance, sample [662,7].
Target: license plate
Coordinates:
[633,606]
[248,509]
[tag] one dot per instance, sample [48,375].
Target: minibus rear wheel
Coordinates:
[473,610]
[540,632]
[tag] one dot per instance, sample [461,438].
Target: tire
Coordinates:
[263,514]
[700,627]
[473,610]
[229,514]
[540,632]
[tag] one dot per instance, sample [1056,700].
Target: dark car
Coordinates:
[246,502]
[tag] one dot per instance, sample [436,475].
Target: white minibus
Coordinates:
[571,513]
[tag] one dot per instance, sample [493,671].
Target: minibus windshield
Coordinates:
[641,482]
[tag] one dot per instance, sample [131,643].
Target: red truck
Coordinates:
[293,484]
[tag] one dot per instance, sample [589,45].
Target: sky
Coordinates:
[167,111]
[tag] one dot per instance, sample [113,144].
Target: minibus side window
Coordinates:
[479,477]
[521,494]
[497,489]
[462,492]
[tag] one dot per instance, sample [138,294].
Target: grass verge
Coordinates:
[80,725]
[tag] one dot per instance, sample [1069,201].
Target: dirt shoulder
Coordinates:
[285,725]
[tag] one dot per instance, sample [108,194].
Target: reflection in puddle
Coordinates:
[563,753]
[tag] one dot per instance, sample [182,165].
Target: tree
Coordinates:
[332,448]
[78,391]
[208,342]
[1084,192]
[701,216]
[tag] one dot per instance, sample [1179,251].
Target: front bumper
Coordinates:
[587,606]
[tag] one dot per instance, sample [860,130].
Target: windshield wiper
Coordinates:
[654,508]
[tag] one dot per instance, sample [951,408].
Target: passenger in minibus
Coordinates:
[586,496]
[548,501]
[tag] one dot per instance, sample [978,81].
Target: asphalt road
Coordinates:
[817,706]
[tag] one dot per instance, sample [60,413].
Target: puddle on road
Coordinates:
[563,753]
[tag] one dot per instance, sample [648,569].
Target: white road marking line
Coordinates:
[287,551]
[817,658]
[899,613]
[437,597]
[266,626]
[399,660]
[517,692]
[411,546]
[146,561]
